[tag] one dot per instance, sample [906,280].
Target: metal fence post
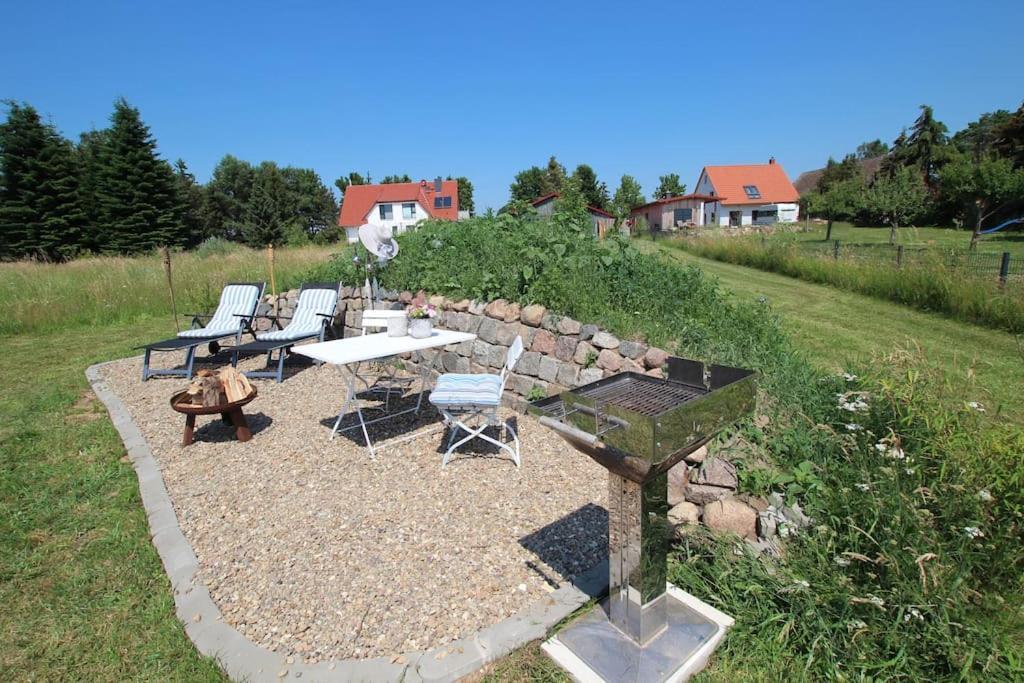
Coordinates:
[835,250]
[1004,269]
[899,256]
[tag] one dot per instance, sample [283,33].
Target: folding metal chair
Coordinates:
[462,398]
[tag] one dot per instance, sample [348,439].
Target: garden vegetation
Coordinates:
[912,567]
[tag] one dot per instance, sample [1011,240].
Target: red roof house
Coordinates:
[399,206]
[748,194]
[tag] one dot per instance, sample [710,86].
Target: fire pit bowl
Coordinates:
[230,413]
[638,427]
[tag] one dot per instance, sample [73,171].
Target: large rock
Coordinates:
[588,375]
[569,326]
[609,360]
[497,309]
[717,472]
[698,455]
[587,332]
[585,354]
[506,333]
[565,347]
[532,315]
[633,350]
[605,340]
[496,356]
[461,306]
[566,374]
[550,322]
[683,513]
[677,483]
[543,342]
[548,369]
[700,494]
[731,516]
[529,363]
[489,330]
[630,365]
[512,313]
[655,357]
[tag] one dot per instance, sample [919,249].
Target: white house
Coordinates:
[753,194]
[398,206]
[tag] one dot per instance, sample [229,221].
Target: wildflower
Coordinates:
[853,427]
[842,561]
[985,496]
[881,447]
[762,299]
[913,613]
[909,470]
[976,406]
[855,625]
[849,378]
[973,532]
[864,487]
[876,601]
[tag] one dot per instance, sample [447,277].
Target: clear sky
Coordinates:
[485,89]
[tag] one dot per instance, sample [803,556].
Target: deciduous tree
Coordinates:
[627,196]
[465,194]
[896,199]
[595,193]
[872,149]
[981,186]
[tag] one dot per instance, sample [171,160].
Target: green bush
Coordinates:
[890,581]
[925,284]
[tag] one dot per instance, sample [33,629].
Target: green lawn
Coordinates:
[834,327]
[83,592]
[940,238]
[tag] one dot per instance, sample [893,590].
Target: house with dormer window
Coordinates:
[751,194]
[398,206]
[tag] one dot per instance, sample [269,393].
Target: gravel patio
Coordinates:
[311,548]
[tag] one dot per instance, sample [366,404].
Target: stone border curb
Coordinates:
[243,660]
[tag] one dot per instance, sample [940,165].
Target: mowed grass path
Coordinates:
[83,594]
[837,328]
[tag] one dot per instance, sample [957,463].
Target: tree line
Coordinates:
[972,178]
[112,193]
[536,181]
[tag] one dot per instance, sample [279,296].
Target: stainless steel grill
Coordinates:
[638,427]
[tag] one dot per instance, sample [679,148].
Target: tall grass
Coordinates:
[925,284]
[106,289]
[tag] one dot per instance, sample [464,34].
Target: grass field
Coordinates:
[939,238]
[836,328]
[104,289]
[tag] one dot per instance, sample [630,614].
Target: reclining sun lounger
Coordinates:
[235,312]
[313,315]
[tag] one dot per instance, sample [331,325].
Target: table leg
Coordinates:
[226,418]
[242,432]
[190,427]
[350,395]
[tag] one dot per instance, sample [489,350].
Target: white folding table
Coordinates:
[348,353]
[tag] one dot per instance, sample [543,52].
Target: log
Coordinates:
[236,385]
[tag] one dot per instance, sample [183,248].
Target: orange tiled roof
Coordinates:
[770,179]
[360,200]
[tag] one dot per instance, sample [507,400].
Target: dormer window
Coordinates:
[752,191]
[443,202]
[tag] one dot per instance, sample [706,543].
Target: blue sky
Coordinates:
[486,89]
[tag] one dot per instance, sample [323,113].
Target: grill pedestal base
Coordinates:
[593,649]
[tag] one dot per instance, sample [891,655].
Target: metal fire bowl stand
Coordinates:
[638,427]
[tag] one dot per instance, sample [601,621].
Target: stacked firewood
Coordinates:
[210,388]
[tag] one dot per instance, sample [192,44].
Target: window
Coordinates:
[443,202]
[385,212]
[409,210]
[682,216]
[752,191]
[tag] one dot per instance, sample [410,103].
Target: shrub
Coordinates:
[896,469]
[216,246]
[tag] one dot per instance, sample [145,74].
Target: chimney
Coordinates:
[437,184]
[771,160]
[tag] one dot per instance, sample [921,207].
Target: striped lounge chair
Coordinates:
[313,314]
[462,398]
[239,302]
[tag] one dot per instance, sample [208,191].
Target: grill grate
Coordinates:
[647,396]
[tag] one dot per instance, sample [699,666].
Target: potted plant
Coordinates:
[421,318]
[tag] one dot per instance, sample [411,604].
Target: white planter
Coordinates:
[420,328]
[398,327]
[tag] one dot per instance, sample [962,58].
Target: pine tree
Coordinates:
[926,145]
[227,196]
[138,205]
[594,192]
[40,209]
[88,153]
[190,196]
[264,217]
[669,186]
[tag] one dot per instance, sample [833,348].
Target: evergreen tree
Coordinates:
[871,150]
[627,196]
[555,175]
[926,145]
[669,186]
[1009,141]
[138,205]
[191,196]
[88,154]
[594,192]
[264,220]
[392,179]
[227,197]
[40,209]
[308,205]
[979,138]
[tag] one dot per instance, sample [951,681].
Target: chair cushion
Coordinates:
[235,301]
[466,390]
[307,320]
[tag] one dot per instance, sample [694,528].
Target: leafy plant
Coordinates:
[536,393]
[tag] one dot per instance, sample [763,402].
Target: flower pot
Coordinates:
[398,327]
[420,328]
